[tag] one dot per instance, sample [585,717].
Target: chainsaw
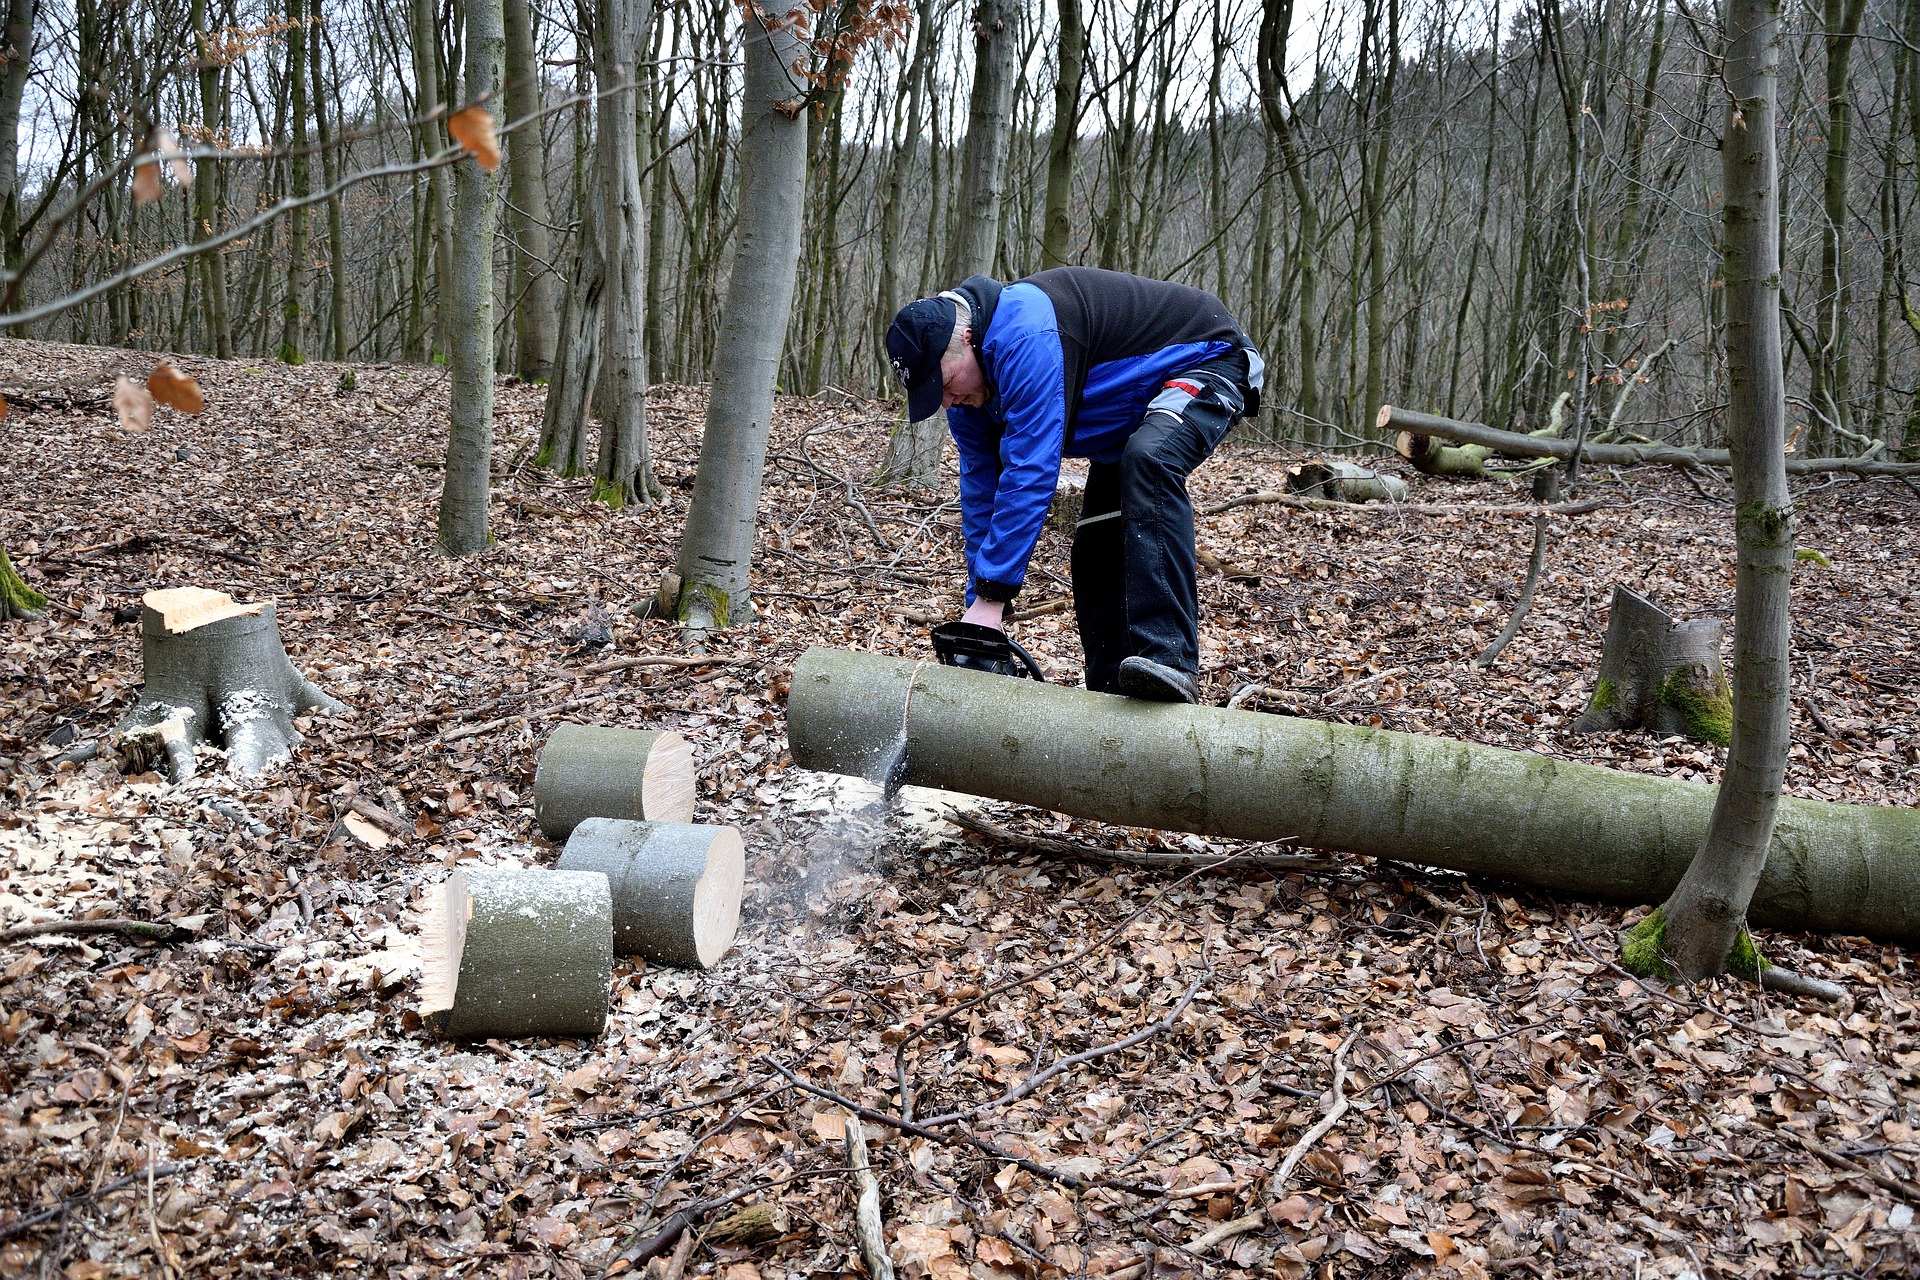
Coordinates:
[978,648]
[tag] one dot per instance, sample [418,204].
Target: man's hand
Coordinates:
[985,613]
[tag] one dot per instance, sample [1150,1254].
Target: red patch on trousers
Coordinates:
[1187,387]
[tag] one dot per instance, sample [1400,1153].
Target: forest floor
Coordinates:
[260,1100]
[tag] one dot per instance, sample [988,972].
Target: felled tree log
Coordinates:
[1338,481]
[1660,673]
[676,886]
[1521,817]
[511,953]
[1515,445]
[587,771]
[215,671]
[1432,458]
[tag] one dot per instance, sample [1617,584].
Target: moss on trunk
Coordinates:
[1643,950]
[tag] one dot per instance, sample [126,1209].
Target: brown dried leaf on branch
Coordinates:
[175,389]
[472,128]
[3,407]
[146,171]
[133,404]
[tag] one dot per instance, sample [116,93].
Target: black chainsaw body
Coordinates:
[978,648]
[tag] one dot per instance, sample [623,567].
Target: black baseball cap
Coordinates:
[916,341]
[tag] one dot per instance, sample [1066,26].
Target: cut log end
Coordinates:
[676,886]
[183,609]
[514,953]
[587,771]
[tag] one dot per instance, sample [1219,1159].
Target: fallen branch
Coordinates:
[1268,497]
[1514,444]
[1136,857]
[28,1221]
[145,930]
[1337,1108]
[662,660]
[1525,604]
[1906,1190]
[866,1214]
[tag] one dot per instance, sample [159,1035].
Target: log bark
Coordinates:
[216,672]
[1486,811]
[1432,458]
[1660,673]
[676,886]
[1514,444]
[587,771]
[1336,481]
[512,953]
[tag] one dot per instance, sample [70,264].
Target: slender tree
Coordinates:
[1057,236]
[1832,364]
[465,491]
[716,547]
[293,305]
[16,44]
[622,473]
[535,286]
[1701,929]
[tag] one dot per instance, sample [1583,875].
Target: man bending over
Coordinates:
[1141,377]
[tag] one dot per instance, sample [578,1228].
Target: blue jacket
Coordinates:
[1071,358]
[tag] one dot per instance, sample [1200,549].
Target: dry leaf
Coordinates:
[472,128]
[3,406]
[830,1127]
[175,389]
[1442,1244]
[146,181]
[133,403]
[163,144]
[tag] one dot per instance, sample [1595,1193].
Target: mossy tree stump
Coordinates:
[17,599]
[215,672]
[1660,673]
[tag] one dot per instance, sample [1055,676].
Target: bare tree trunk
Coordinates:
[534,283]
[292,310]
[622,473]
[464,494]
[914,452]
[910,99]
[1697,931]
[330,166]
[716,548]
[1276,21]
[1832,366]
[1057,236]
[432,337]
[16,42]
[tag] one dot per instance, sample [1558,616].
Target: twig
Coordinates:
[1336,1109]
[1140,857]
[467,622]
[1897,1186]
[1524,605]
[390,823]
[662,660]
[28,1221]
[1328,698]
[1060,1065]
[866,1214]
[945,1137]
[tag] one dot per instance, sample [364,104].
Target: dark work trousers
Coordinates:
[1135,583]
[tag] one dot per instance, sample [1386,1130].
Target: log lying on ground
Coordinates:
[216,672]
[1432,458]
[510,953]
[1527,818]
[1338,481]
[676,886]
[1660,673]
[587,771]
[1515,445]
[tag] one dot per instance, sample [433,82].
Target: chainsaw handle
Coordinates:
[1033,668]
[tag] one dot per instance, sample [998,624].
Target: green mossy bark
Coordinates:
[1643,950]
[614,495]
[694,595]
[17,599]
[1708,712]
[1817,557]
[1606,696]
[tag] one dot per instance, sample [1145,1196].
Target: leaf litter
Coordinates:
[259,1099]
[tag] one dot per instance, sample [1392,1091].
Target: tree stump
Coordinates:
[17,599]
[509,953]
[215,671]
[1069,500]
[1334,481]
[587,771]
[1661,674]
[676,886]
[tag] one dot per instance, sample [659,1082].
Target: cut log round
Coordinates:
[1660,673]
[587,771]
[1833,868]
[1337,481]
[676,886]
[215,671]
[512,953]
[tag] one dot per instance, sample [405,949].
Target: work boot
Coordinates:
[1155,682]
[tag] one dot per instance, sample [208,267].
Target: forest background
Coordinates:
[1480,206]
